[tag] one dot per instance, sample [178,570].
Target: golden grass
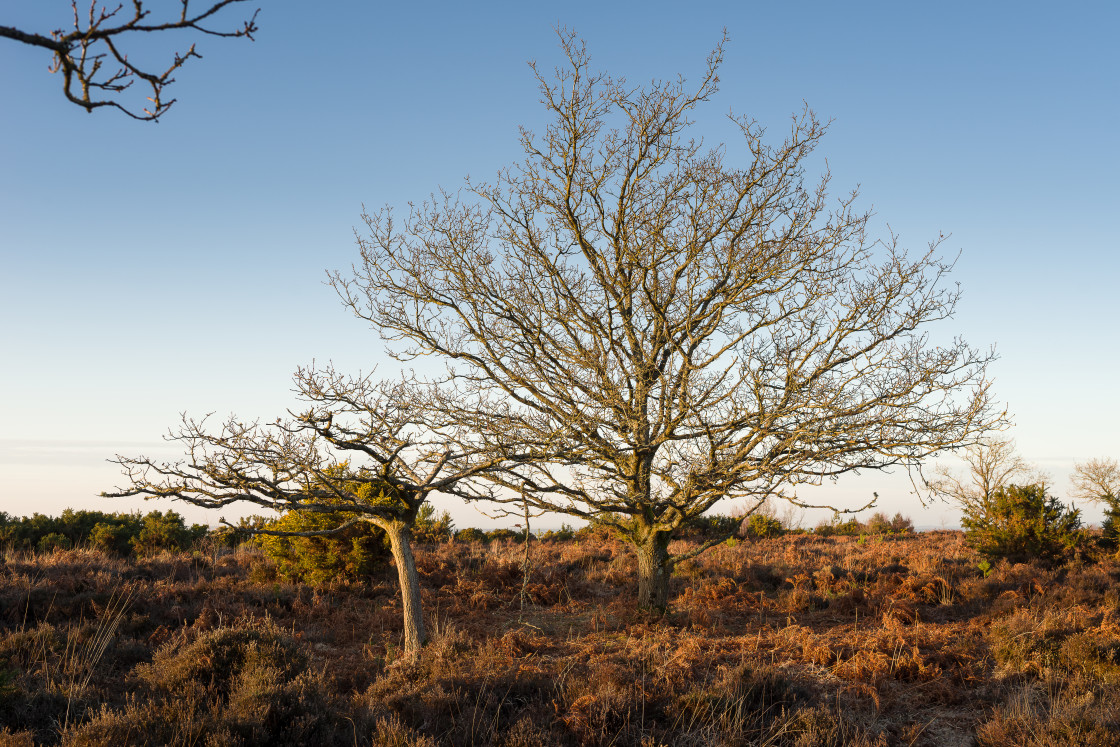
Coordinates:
[799,640]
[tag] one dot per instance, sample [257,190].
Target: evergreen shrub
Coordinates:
[1021,523]
[352,554]
[761,526]
[160,532]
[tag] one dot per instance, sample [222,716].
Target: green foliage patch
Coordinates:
[879,523]
[1110,529]
[1021,523]
[120,534]
[761,526]
[352,554]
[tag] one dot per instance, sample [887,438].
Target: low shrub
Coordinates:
[879,523]
[119,534]
[835,527]
[1037,717]
[598,528]
[470,534]
[245,685]
[218,658]
[28,532]
[1027,642]
[761,526]
[53,541]
[165,532]
[563,534]
[432,528]
[474,534]
[229,537]
[115,537]
[1020,523]
[502,535]
[352,554]
[902,524]
[1110,528]
[710,527]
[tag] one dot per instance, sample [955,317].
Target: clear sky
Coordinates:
[150,269]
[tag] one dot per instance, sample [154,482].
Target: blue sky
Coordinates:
[147,270]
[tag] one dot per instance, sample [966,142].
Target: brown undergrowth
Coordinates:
[799,640]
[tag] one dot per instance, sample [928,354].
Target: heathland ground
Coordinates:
[892,639]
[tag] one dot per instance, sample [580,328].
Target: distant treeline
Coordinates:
[115,533]
[157,531]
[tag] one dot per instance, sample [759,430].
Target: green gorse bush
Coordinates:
[1022,522]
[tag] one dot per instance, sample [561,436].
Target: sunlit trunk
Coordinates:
[400,540]
[653,572]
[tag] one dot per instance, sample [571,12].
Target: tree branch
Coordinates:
[80,54]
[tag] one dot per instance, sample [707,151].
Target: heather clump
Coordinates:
[215,660]
[1053,717]
[1056,645]
[232,685]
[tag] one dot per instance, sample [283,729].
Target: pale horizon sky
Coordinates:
[152,269]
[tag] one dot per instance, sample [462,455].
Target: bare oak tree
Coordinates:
[95,65]
[645,327]
[353,451]
[1097,480]
[991,464]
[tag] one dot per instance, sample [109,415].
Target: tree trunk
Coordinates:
[653,572]
[400,540]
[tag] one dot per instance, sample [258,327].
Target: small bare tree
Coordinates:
[354,451]
[1098,480]
[94,64]
[991,464]
[653,329]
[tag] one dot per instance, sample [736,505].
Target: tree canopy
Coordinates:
[643,326]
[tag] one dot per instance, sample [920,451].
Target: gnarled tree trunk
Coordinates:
[400,541]
[654,570]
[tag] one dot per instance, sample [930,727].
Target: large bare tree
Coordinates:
[655,326]
[353,451]
[95,63]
